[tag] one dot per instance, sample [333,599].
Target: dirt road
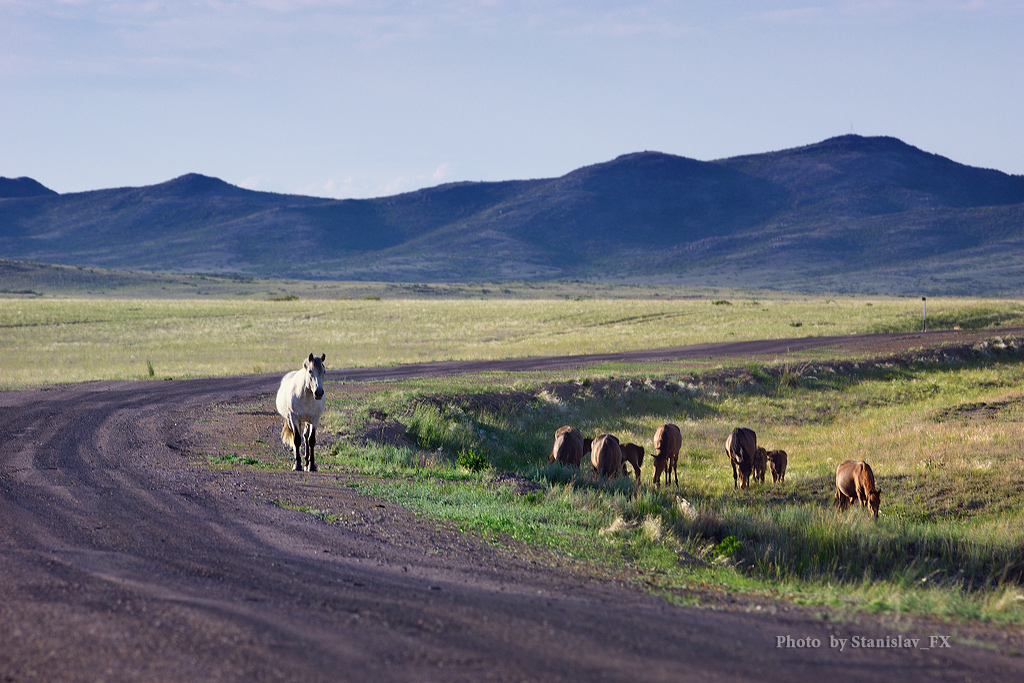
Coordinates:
[122,560]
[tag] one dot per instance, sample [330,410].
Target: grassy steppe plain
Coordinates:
[45,341]
[944,433]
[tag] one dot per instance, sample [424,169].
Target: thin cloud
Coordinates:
[442,173]
[882,10]
[792,15]
[333,188]
[355,187]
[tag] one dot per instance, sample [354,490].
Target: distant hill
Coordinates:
[848,214]
[22,187]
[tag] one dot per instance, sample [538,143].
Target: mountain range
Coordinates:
[849,214]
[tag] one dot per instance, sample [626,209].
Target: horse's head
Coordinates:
[874,501]
[314,368]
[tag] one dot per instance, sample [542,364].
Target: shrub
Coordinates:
[472,460]
[728,546]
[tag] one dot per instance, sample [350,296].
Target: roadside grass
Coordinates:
[234,459]
[943,434]
[324,515]
[91,339]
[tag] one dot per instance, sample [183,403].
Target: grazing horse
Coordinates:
[760,464]
[777,464]
[667,442]
[740,447]
[856,480]
[632,455]
[606,456]
[568,447]
[300,400]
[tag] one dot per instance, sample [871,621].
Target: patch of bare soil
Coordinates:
[494,402]
[386,432]
[980,410]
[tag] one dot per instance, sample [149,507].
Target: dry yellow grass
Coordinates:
[86,339]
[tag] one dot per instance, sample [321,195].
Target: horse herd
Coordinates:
[301,402]
[610,458]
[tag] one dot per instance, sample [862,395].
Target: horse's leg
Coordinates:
[310,443]
[297,446]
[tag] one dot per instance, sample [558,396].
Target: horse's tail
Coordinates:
[287,435]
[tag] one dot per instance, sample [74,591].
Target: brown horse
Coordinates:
[739,448]
[777,464]
[606,456]
[568,447]
[667,442]
[855,480]
[632,455]
[760,464]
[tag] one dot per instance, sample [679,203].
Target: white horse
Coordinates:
[300,400]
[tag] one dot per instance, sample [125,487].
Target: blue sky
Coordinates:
[354,98]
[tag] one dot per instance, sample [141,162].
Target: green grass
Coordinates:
[324,515]
[949,542]
[89,339]
[234,459]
